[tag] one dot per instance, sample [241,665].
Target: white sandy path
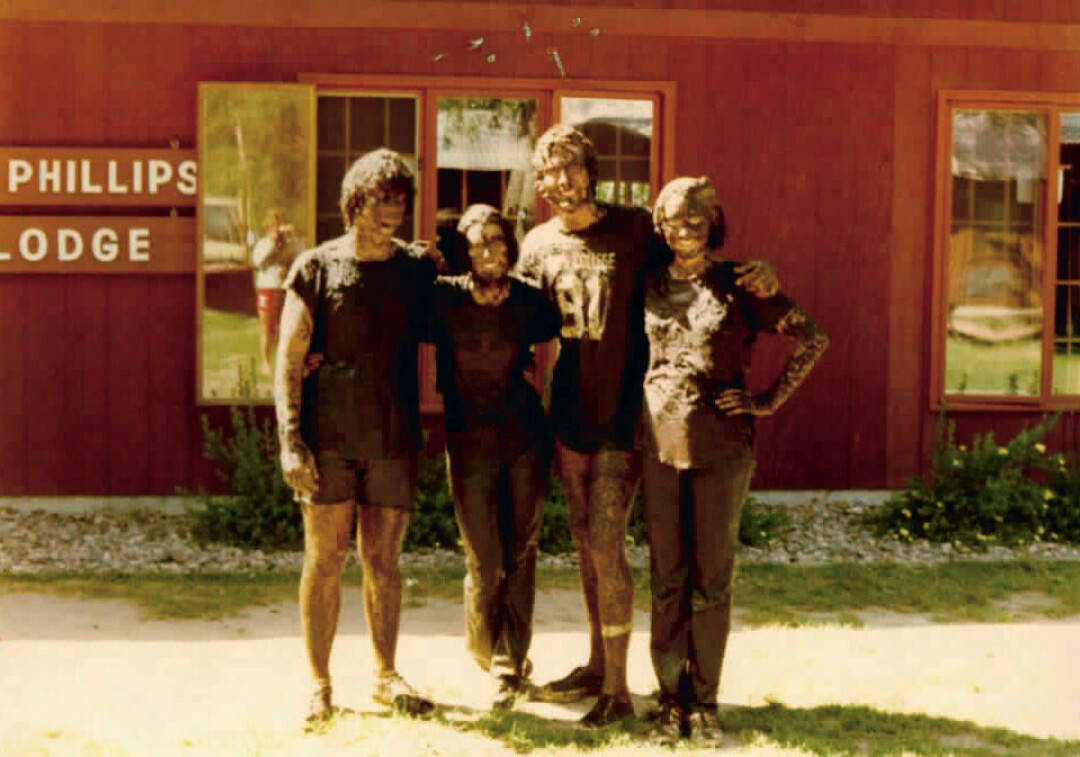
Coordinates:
[93,669]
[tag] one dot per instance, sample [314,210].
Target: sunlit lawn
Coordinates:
[764,594]
[230,345]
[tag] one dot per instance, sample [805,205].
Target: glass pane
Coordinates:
[1066,368]
[255,146]
[367,124]
[402,125]
[485,155]
[994,271]
[1069,180]
[1069,253]
[349,126]
[331,124]
[622,132]
[330,169]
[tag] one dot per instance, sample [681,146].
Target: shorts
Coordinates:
[269,302]
[381,483]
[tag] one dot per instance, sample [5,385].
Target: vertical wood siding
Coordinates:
[822,155]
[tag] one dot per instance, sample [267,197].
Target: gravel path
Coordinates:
[107,540]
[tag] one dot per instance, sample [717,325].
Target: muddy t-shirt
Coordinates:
[481,355]
[367,318]
[701,334]
[594,277]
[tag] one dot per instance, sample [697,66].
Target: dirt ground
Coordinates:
[76,672]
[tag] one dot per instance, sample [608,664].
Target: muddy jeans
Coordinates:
[498,508]
[693,523]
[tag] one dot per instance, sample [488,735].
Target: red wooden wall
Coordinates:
[822,153]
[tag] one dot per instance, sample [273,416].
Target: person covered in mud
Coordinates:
[588,259]
[498,446]
[350,433]
[698,443]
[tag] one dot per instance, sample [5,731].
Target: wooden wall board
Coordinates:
[15,414]
[910,268]
[85,384]
[45,365]
[929,22]
[173,436]
[131,407]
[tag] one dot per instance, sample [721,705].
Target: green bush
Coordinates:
[988,494]
[257,508]
[432,522]
[760,526]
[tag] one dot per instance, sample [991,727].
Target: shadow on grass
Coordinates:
[856,729]
[524,732]
[827,730]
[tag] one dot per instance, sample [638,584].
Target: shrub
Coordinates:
[555,532]
[432,522]
[760,525]
[257,508]
[1012,494]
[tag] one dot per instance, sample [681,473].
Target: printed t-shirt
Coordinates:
[701,334]
[363,401]
[481,355]
[593,275]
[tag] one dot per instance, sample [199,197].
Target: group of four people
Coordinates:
[655,335]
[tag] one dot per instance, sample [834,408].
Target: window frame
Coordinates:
[547,92]
[1050,105]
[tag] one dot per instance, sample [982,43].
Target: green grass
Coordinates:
[854,729]
[230,343]
[971,591]
[1011,368]
[826,731]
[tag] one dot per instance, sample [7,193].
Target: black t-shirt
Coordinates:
[594,276]
[363,401]
[481,355]
[701,335]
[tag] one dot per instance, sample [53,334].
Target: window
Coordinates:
[621,129]
[349,126]
[484,155]
[1008,242]
[285,149]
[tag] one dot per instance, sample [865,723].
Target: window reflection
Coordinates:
[994,273]
[622,131]
[484,155]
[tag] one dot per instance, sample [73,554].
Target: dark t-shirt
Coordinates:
[481,355]
[363,400]
[594,276]
[701,334]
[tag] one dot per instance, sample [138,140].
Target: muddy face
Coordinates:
[686,224]
[382,215]
[488,252]
[564,182]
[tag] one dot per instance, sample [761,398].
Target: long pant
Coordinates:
[498,508]
[693,525]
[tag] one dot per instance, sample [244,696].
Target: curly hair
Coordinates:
[701,190]
[481,214]
[381,172]
[563,138]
